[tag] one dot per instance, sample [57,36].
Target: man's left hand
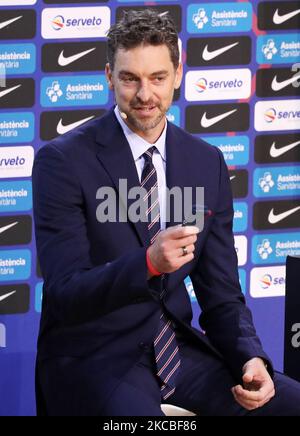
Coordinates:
[258,387]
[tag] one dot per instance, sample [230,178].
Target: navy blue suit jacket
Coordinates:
[97,300]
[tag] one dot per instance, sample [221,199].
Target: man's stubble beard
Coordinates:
[144,126]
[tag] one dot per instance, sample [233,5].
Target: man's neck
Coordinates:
[150,136]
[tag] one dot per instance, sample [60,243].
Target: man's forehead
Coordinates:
[134,59]
[127,52]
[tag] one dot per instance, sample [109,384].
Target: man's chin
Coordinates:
[146,124]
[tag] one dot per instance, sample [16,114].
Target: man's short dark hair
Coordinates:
[146,27]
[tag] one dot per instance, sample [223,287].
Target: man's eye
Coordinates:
[159,78]
[129,79]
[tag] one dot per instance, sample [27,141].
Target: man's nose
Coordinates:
[144,92]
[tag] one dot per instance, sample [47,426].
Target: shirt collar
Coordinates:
[139,145]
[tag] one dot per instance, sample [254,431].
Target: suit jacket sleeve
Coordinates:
[77,290]
[225,318]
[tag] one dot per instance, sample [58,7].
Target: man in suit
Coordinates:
[115,335]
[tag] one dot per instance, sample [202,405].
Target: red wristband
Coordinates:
[150,267]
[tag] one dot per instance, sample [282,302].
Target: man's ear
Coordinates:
[178,76]
[108,74]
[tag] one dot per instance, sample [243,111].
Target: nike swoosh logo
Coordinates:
[276,152]
[274,219]
[3,297]
[278,86]
[210,55]
[8,22]
[63,61]
[280,19]
[232,177]
[206,123]
[3,229]
[8,91]
[61,129]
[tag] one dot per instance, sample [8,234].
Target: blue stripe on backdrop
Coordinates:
[57,43]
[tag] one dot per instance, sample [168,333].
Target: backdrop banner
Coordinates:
[240,93]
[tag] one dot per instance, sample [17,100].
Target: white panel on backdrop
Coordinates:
[17,2]
[80,22]
[267,282]
[277,115]
[205,85]
[16,162]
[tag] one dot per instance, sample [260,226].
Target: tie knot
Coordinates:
[148,155]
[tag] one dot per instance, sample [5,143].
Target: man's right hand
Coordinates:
[166,253]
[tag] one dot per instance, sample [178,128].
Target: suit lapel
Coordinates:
[116,157]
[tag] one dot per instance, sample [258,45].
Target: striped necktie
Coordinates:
[165,345]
